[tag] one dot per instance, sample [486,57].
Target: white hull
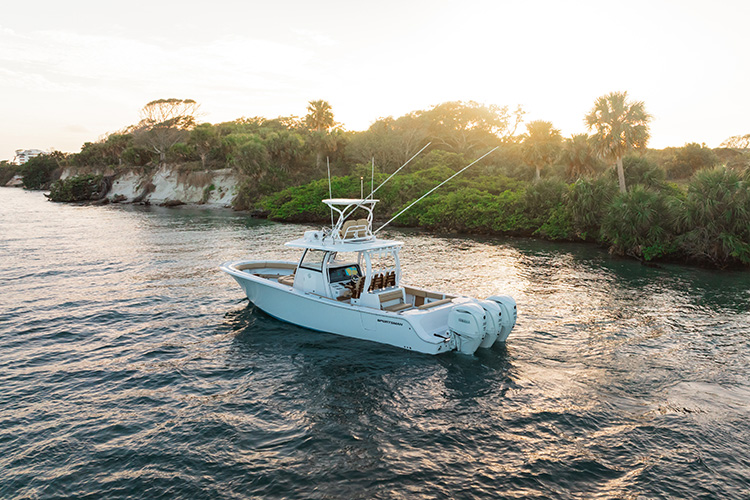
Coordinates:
[423,331]
[348,282]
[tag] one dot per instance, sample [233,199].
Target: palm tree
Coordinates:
[579,156]
[541,145]
[319,116]
[319,119]
[620,127]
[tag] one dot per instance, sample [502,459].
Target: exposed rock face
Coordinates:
[16,181]
[170,186]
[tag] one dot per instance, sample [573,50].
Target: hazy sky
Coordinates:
[72,71]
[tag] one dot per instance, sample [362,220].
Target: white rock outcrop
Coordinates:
[170,185]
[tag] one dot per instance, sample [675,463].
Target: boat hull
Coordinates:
[411,330]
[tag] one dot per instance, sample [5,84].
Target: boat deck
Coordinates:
[391,298]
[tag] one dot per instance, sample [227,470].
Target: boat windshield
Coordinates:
[313,259]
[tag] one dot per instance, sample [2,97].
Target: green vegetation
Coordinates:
[7,171]
[541,145]
[620,126]
[207,193]
[79,188]
[714,218]
[41,170]
[688,203]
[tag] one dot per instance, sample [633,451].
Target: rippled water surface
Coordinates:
[130,367]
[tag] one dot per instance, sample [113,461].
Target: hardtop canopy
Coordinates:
[331,245]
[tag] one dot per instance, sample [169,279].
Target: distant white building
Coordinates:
[24,155]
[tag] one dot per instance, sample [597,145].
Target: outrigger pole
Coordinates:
[433,189]
[372,191]
[397,171]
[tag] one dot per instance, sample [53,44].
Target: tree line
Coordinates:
[537,182]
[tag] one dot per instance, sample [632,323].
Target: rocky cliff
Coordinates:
[168,185]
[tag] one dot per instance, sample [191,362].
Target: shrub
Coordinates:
[137,156]
[303,203]
[559,224]
[540,198]
[689,159]
[587,202]
[39,171]
[207,193]
[7,171]
[640,170]
[78,188]
[715,217]
[640,224]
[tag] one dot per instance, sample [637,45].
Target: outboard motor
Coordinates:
[508,317]
[493,316]
[466,323]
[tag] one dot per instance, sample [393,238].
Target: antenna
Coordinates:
[433,189]
[372,179]
[330,194]
[361,187]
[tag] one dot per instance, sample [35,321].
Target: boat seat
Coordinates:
[398,307]
[362,223]
[390,279]
[387,300]
[353,229]
[377,282]
[357,287]
[434,304]
[287,280]
[266,276]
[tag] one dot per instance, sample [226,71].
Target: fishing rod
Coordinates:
[373,191]
[433,189]
[330,191]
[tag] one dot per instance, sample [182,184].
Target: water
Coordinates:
[130,367]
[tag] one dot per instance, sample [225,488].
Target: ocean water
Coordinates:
[131,367]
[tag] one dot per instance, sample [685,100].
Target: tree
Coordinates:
[248,154]
[205,139]
[689,159]
[285,148]
[319,119]
[461,127]
[620,126]
[579,156]
[390,141]
[737,142]
[107,151]
[541,145]
[164,123]
[319,116]
[39,171]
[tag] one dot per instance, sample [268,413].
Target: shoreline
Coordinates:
[257,214]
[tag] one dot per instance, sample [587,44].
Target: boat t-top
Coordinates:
[348,282]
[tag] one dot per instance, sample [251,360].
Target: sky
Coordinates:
[74,71]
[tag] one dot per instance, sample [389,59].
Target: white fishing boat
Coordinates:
[348,282]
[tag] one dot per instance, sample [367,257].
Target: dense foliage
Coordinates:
[7,171]
[678,203]
[714,218]
[41,170]
[79,188]
[710,223]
